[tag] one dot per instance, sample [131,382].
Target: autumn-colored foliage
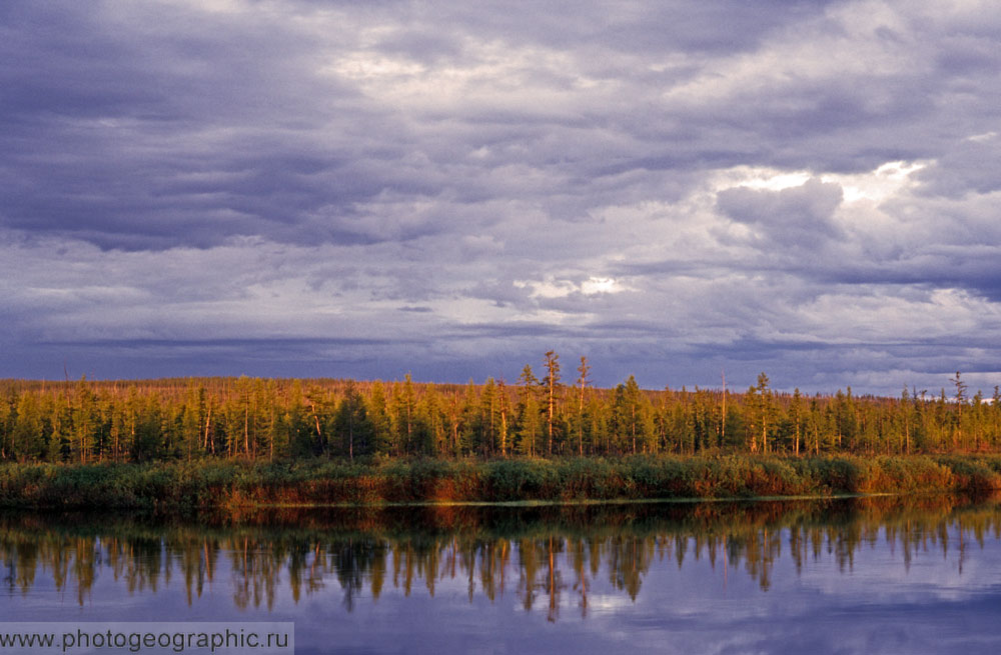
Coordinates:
[180,485]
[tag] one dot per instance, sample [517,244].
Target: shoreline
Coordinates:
[514,482]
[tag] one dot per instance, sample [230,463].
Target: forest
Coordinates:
[544,416]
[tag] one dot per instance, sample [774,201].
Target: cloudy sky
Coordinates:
[369,188]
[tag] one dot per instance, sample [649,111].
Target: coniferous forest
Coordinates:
[544,415]
[547,416]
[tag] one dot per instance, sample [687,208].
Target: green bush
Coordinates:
[182,485]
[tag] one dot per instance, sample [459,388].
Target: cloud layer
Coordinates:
[366,189]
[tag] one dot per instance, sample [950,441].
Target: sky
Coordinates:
[367,189]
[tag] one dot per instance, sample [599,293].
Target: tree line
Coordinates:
[548,416]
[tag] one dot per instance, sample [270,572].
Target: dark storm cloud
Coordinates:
[963,268]
[800,216]
[972,166]
[160,125]
[156,128]
[670,188]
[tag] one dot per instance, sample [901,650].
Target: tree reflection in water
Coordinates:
[544,553]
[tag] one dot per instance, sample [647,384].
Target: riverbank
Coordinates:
[212,483]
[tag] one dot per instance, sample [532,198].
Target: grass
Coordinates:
[321,482]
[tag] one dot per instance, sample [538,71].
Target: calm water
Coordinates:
[850,576]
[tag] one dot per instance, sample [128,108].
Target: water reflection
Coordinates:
[548,558]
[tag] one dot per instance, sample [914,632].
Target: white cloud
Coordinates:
[887,181]
[561,288]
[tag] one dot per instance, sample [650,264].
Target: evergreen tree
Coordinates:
[489,418]
[630,415]
[434,423]
[530,425]
[551,382]
[379,416]
[957,430]
[796,417]
[351,424]
[582,381]
[528,411]
[765,409]
[84,420]
[58,446]
[470,425]
[503,411]
[26,426]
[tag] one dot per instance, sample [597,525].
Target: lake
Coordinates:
[864,575]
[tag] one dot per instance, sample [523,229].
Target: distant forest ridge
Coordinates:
[545,415]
